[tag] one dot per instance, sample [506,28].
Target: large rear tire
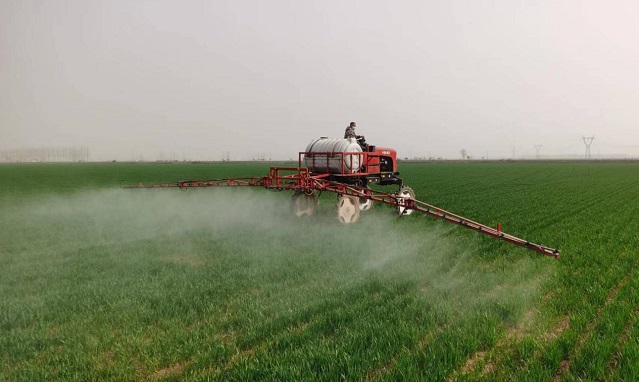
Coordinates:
[347,209]
[303,205]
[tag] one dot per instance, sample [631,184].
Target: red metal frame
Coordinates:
[300,180]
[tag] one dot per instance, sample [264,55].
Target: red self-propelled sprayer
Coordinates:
[347,167]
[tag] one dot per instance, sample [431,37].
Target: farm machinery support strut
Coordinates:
[305,185]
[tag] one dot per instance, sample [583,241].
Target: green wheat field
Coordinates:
[102,283]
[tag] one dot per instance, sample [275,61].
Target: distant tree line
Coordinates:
[47,154]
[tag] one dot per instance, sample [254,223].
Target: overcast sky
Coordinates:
[198,79]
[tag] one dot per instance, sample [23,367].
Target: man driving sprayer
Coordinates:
[350,133]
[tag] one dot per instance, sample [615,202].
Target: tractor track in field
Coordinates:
[171,371]
[564,365]
[613,365]
[557,331]
[518,332]
[380,371]
[390,364]
[297,327]
[471,364]
[513,333]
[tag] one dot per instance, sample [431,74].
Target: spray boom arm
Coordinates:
[301,181]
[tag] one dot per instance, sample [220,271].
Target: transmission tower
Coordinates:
[537,148]
[587,142]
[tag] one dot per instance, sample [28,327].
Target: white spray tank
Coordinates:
[327,155]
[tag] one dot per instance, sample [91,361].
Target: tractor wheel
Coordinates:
[404,192]
[365,204]
[347,209]
[303,205]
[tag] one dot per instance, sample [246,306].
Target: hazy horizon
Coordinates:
[247,79]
